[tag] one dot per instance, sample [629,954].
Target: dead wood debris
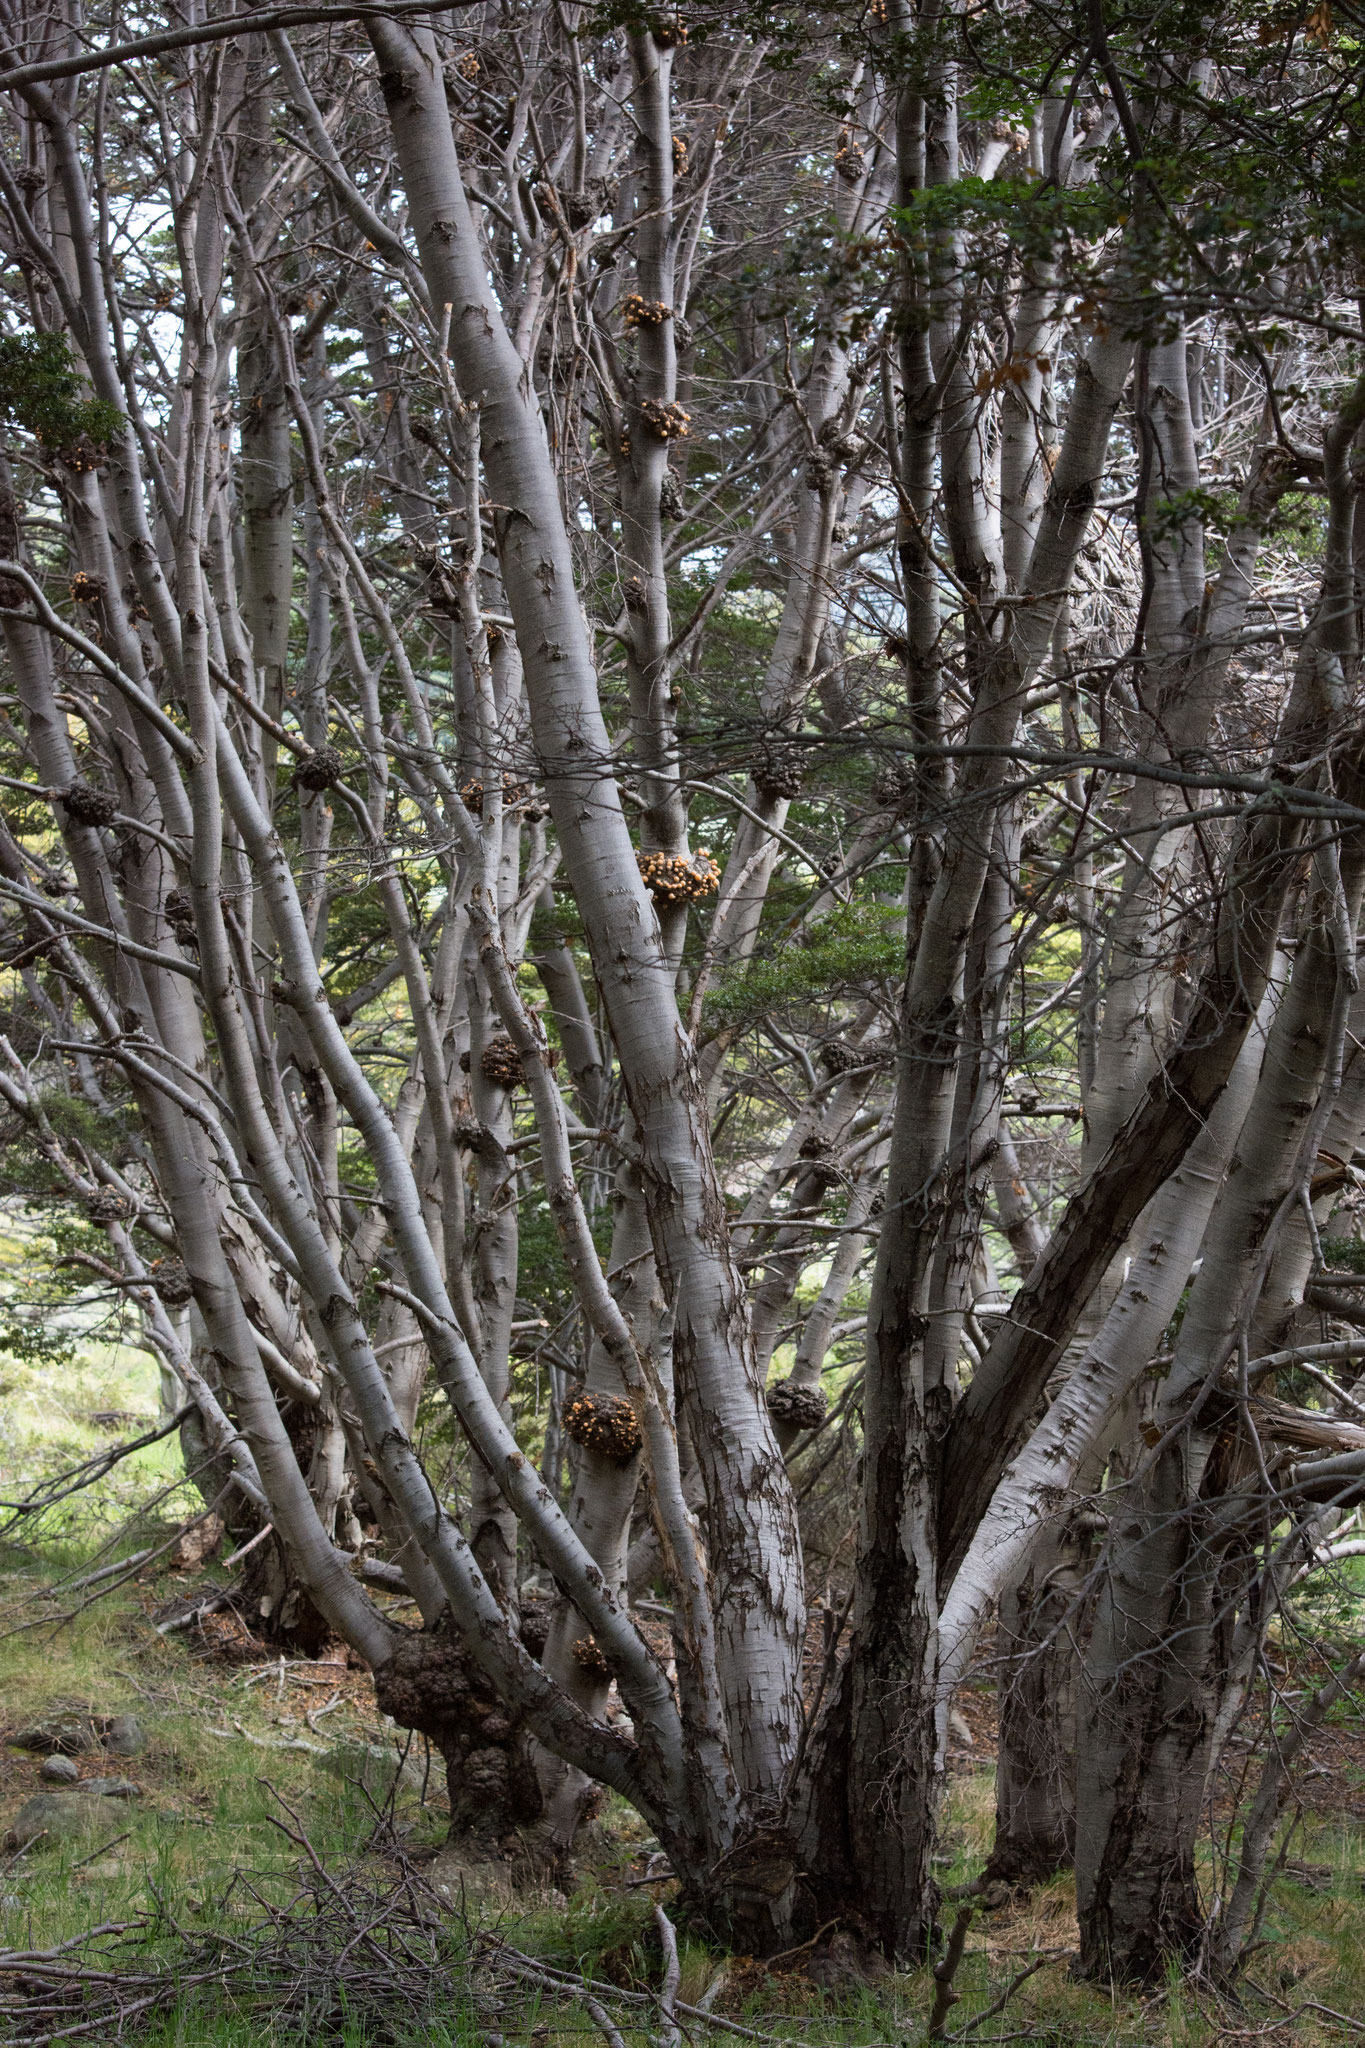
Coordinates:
[367,1947]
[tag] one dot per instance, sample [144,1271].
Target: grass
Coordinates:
[202,1838]
[204,1830]
[207,1819]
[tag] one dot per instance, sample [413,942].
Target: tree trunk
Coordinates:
[432,1686]
[1159,1661]
[1150,1699]
[1042,1621]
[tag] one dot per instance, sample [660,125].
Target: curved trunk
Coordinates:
[1159,1661]
[753,1548]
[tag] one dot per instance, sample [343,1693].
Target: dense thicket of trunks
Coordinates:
[684,802]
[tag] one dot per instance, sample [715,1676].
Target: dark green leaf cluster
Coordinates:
[33,1340]
[1036,215]
[854,949]
[25,1169]
[41,392]
[1345,1254]
[542,1277]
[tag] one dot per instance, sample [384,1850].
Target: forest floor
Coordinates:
[241,1745]
[280,1875]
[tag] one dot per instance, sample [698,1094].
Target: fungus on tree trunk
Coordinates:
[605,1423]
[319,770]
[171,1282]
[86,805]
[502,1064]
[180,913]
[778,774]
[800,1407]
[679,877]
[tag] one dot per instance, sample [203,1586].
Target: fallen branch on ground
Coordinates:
[945,1998]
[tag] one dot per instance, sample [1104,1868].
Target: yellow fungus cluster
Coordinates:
[679,877]
[641,312]
[605,1423]
[666,422]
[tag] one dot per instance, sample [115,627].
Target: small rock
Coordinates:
[76,1731]
[62,1817]
[62,1735]
[123,1736]
[59,1770]
[111,1788]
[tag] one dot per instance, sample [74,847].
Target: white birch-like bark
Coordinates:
[752,1537]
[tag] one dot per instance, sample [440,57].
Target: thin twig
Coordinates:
[95,1854]
[945,1969]
[963,2033]
[670,2034]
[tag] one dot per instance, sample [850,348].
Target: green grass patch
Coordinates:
[201,1849]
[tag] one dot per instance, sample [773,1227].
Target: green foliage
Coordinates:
[560,926]
[1300,523]
[355,1167]
[1170,515]
[998,99]
[1345,1254]
[27,818]
[542,1276]
[31,1338]
[41,392]
[1035,219]
[857,947]
[72,1117]
[25,1171]
[1041,211]
[358,936]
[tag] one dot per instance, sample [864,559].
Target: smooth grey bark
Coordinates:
[894,1708]
[1282,1310]
[751,1526]
[1139,1024]
[1159,1659]
[1039,1482]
